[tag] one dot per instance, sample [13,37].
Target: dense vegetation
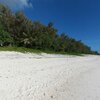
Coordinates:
[17,30]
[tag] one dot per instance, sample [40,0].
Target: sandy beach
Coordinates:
[49,77]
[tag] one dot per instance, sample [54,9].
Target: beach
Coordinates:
[26,76]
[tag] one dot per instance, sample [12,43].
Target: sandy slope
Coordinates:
[49,77]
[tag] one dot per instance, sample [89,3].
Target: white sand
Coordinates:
[49,77]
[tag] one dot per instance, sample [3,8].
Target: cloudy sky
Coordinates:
[17,4]
[78,18]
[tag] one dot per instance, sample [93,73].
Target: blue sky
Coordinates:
[77,18]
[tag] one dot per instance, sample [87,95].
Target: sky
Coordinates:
[79,19]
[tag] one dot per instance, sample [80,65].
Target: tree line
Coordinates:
[17,30]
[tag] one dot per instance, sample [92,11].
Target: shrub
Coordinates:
[5,38]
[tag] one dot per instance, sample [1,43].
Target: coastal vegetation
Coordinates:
[16,30]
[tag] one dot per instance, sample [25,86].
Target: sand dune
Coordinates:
[49,77]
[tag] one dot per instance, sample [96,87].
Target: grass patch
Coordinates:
[26,50]
[20,49]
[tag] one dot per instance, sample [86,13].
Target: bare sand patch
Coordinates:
[49,77]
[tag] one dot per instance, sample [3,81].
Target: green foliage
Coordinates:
[17,30]
[5,38]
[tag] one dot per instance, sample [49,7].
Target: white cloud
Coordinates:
[17,4]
